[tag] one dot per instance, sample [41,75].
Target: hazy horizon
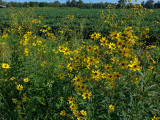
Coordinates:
[85,1]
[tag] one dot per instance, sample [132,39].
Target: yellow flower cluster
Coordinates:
[80,115]
[96,36]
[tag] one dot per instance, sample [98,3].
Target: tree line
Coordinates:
[78,4]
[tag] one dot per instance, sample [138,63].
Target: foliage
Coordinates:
[149,4]
[55,72]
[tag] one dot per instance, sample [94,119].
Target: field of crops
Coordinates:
[54,16]
[80,64]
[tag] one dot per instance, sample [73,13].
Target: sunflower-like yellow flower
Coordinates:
[76,113]
[26,50]
[112,46]
[134,65]
[111,107]
[73,107]
[83,112]
[123,64]
[66,51]
[19,87]
[63,113]
[70,66]
[87,94]
[61,75]
[104,41]
[61,48]
[96,36]
[71,100]
[96,75]
[127,30]
[77,80]
[26,79]
[5,65]
[156,118]
[115,35]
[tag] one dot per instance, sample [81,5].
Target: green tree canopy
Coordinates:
[149,4]
[1,2]
[73,3]
[80,4]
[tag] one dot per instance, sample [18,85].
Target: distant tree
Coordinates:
[20,4]
[73,3]
[16,4]
[80,4]
[157,5]
[56,4]
[122,3]
[33,4]
[68,3]
[143,3]
[95,6]
[9,5]
[106,4]
[25,4]
[102,5]
[1,2]
[149,4]
[99,5]
[88,5]
[129,5]
[36,4]
[43,4]
[63,5]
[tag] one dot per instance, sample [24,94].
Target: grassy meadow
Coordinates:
[80,64]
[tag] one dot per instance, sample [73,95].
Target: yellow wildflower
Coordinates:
[26,50]
[63,113]
[61,75]
[19,87]
[12,78]
[115,35]
[111,107]
[26,79]
[73,107]
[84,113]
[76,113]
[5,65]
[112,46]
[71,100]
[87,94]
[134,65]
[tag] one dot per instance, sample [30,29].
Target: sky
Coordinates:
[85,1]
